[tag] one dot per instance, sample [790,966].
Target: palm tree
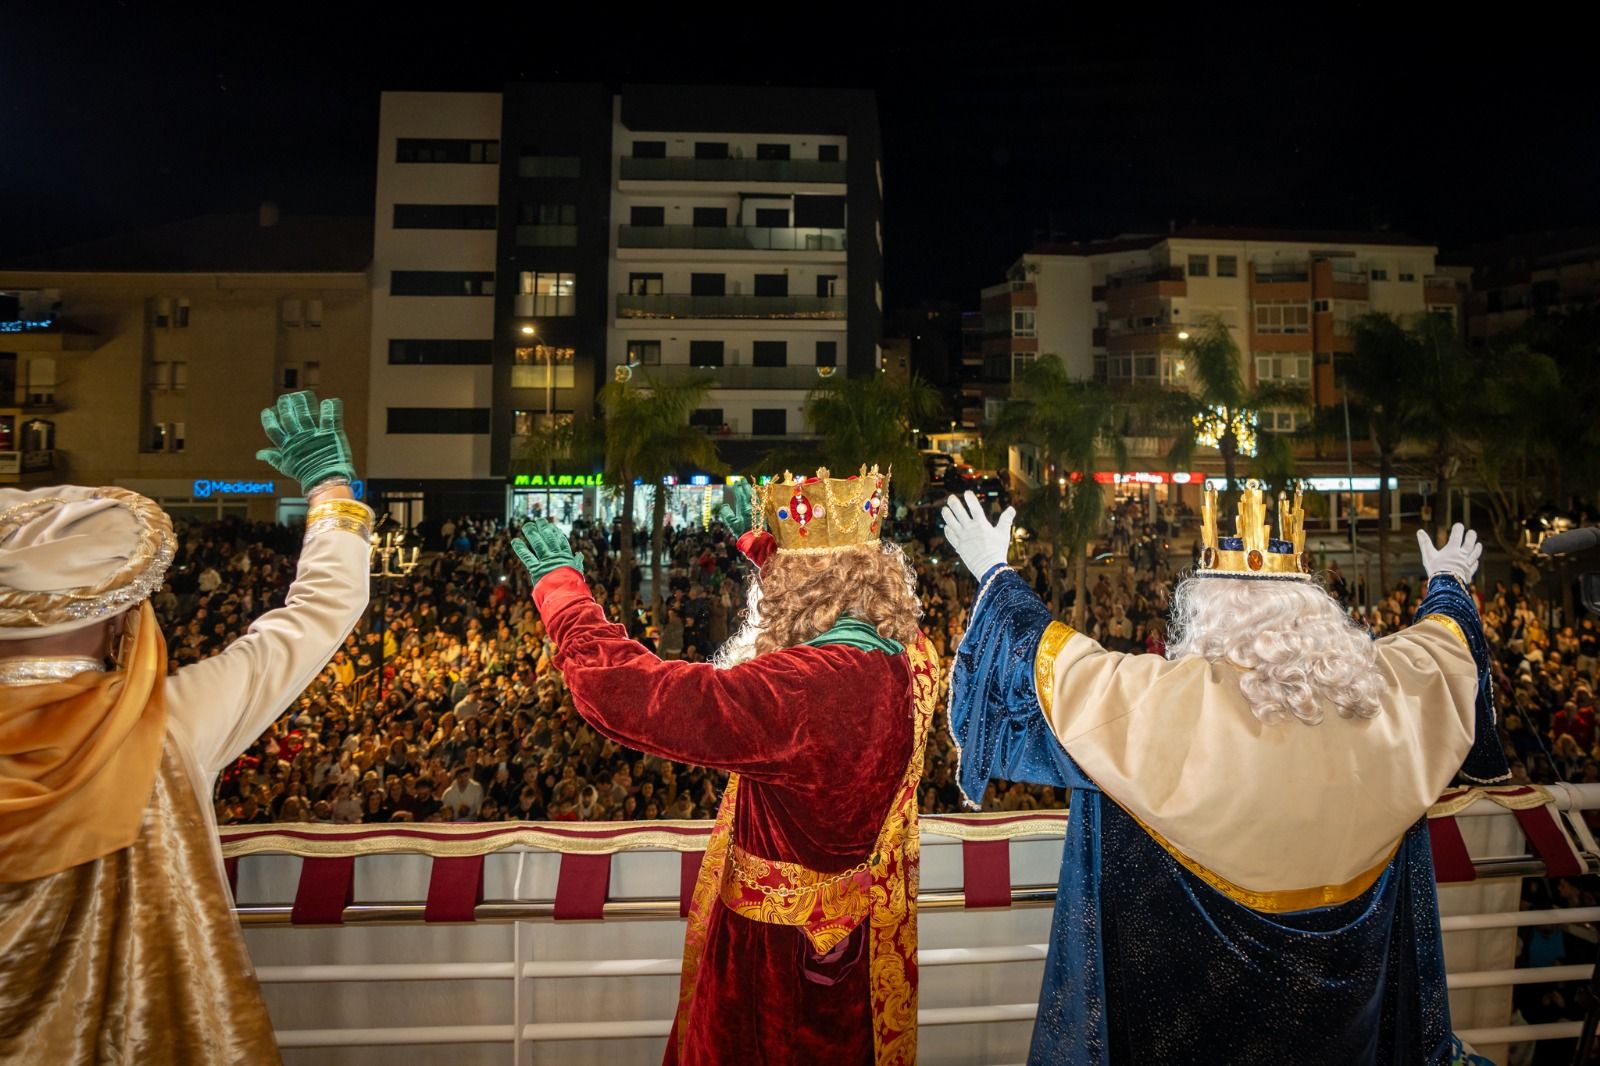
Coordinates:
[1386,377]
[1451,380]
[1071,424]
[869,420]
[648,437]
[1216,398]
[568,441]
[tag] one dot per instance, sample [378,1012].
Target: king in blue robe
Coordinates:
[1235,888]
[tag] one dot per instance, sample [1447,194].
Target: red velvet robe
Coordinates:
[821,737]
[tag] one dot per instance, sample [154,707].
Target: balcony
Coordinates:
[681,305]
[551,236]
[733,238]
[1279,274]
[735,375]
[805,171]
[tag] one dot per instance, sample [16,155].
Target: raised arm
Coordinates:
[995,715]
[223,703]
[744,719]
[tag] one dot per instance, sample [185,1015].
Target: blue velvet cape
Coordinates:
[1147,963]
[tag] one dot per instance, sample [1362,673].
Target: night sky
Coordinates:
[996,127]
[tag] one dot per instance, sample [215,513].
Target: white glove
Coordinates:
[1459,556]
[981,546]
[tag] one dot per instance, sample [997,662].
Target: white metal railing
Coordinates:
[526,975]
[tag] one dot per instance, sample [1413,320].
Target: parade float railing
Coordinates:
[534,942]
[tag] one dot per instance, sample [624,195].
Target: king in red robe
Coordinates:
[802,930]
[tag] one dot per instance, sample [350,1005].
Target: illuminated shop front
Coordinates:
[691,500]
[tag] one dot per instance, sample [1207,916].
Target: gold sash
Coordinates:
[78,759]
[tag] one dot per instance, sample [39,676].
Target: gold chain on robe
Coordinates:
[828,907]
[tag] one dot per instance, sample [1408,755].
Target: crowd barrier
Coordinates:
[542,942]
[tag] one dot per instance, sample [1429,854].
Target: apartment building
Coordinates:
[1527,275]
[577,237]
[144,360]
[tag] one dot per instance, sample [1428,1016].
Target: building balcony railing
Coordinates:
[26,462]
[777,170]
[735,375]
[682,305]
[1144,275]
[1280,273]
[532,235]
[733,238]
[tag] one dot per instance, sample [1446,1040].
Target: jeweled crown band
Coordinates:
[822,514]
[1253,552]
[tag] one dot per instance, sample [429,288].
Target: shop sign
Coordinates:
[1317,484]
[558,481]
[205,488]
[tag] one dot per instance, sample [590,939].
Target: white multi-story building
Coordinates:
[537,243]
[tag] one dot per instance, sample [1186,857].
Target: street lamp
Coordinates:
[529,329]
[388,558]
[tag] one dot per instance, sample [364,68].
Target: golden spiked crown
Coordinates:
[1253,552]
[814,515]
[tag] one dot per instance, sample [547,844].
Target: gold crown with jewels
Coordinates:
[1253,552]
[816,515]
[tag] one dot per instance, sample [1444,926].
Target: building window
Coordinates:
[161,312]
[650,149]
[645,285]
[705,353]
[159,435]
[1406,275]
[711,216]
[1022,322]
[543,366]
[647,216]
[707,418]
[1446,311]
[548,166]
[772,284]
[176,436]
[711,149]
[1199,266]
[444,216]
[827,284]
[1282,316]
[160,375]
[772,151]
[313,314]
[441,352]
[526,422]
[408,420]
[1277,421]
[289,377]
[181,314]
[1285,369]
[41,386]
[708,284]
[180,375]
[548,214]
[311,375]
[1378,273]
[445,150]
[289,312]
[546,294]
[1227,266]
[441,283]
[1020,361]
[772,217]
[827,353]
[770,353]
[1319,306]
[1174,369]
[644,353]
[769,422]
[828,153]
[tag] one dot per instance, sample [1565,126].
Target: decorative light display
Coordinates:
[1212,426]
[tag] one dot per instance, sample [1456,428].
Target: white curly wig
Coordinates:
[1298,650]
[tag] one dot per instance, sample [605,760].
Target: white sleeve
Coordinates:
[223,704]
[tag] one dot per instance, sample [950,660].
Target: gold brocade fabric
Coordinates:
[132,958]
[828,907]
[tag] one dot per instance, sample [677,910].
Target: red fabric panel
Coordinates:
[1548,842]
[232,868]
[582,887]
[1450,859]
[326,888]
[689,874]
[455,888]
[986,872]
[558,589]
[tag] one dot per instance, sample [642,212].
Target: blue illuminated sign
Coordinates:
[27,325]
[700,479]
[205,488]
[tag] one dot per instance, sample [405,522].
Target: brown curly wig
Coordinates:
[802,596]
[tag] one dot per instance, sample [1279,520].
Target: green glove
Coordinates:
[543,548]
[309,450]
[740,516]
